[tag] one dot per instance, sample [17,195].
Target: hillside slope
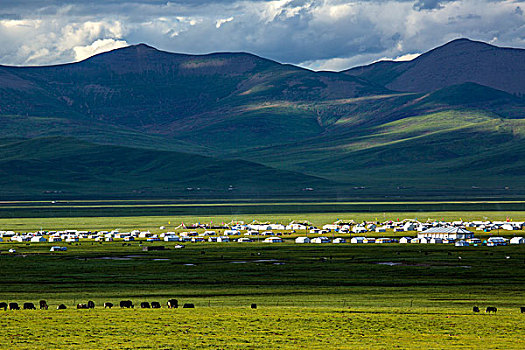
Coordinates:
[456,62]
[69,167]
[179,96]
[141,122]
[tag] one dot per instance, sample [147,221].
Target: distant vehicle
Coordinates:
[57,249]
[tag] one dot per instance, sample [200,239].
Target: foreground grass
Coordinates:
[264,328]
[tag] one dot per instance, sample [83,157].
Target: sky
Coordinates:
[316,34]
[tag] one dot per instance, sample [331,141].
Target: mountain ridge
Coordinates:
[456,62]
[292,128]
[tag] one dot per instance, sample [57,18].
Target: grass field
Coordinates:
[308,296]
[153,223]
[150,215]
[269,328]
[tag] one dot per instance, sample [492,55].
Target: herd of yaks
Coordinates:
[128,304]
[172,304]
[493,309]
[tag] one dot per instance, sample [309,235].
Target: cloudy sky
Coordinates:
[318,34]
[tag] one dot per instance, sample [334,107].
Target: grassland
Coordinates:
[330,296]
[272,328]
[151,215]
[308,296]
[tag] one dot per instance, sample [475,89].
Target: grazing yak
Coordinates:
[43,305]
[91,304]
[522,309]
[82,306]
[254,306]
[14,306]
[127,304]
[29,306]
[475,309]
[173,304]
[61,307]
[144,305]
[3,306]
[188,306]
[155,305]
[108,305]
[491,309]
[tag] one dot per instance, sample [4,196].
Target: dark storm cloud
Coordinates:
[321,34]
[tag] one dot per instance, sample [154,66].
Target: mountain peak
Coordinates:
[461,44]
[464,41]
[139,48]
[143,45]
[130,50]
[456,62]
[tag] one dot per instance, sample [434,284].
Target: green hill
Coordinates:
[178,96]
[141,122]
[59,166]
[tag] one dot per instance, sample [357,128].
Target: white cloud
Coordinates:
[98,46]
[319,34]
[53,41]
[407,57]
[221,21]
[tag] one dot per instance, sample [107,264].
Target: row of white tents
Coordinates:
[492,241]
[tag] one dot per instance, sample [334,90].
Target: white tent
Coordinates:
[359,229]
[446,232]
[517,240]
[302,240]
[497,241]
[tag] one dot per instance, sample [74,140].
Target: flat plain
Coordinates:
[375,296]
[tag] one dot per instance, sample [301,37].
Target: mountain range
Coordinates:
[141,122]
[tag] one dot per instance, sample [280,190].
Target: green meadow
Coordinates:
[330,296]
[308,296]
[151,215]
